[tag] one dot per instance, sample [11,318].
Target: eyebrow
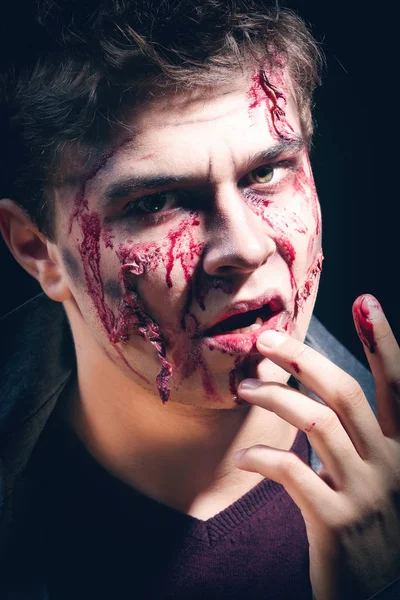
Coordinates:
[120,189]
[294,145]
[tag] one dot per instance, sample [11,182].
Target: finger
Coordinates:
[335,387]
[311,494]
[321,424]
[383,354]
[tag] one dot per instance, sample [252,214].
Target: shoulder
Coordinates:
[35,358]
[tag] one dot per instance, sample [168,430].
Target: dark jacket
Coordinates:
[37,360]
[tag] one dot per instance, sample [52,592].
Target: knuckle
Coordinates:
[291,466]
[383,333]
[328,423]
[299,352]
[341,517]
[348,394]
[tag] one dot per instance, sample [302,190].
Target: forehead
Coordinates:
[174,129]
[205,135]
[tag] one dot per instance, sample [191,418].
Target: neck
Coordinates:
[156,447]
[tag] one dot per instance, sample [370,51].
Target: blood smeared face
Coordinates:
[197,231]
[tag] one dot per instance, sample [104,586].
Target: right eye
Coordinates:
[154,203]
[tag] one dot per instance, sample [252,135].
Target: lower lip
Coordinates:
[245,343]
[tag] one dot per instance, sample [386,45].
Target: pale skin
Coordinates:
[352,508]
[156,447]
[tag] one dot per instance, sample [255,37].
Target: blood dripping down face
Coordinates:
[189,237]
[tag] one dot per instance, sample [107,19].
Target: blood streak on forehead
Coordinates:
[263,91]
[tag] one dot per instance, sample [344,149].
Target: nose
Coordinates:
[238,241]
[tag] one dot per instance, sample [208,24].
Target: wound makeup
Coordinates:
[307,287]
[295,367]
[363,309]
[262,92]
[157,287]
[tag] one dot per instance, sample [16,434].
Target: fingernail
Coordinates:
[249,384]
[370,307]
[271,338]
[239,454]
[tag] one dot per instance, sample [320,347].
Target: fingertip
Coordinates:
[239,455]
[368,307]
[362,313]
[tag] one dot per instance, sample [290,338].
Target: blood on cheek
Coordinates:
[179,247]
[136,259]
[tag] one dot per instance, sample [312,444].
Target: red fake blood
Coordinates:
[247,368]
[295,366]
[90,252]
[178,245]
[364,326]
[133,318]
[258,205]
[90,255]
[288,252]
[207,380]
[204,283]
[262,91]
[232,378]
[309,429]
[187,356]
[181,246]
[303,184]
[305,290]
[310,246]
[81,203]
[108,236]
[284,221]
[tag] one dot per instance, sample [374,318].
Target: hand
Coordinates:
[352,508]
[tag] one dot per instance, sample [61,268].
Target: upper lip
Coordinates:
[244,306]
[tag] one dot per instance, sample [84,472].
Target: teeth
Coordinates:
[256,325]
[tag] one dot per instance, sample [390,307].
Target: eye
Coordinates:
[151,204]
[263,174]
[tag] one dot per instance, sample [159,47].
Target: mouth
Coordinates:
[238,333]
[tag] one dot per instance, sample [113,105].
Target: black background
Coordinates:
[355,164]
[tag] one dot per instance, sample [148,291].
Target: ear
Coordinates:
[33,251]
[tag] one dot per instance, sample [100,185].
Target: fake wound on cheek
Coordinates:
[178,248]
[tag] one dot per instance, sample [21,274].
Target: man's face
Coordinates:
[197,232]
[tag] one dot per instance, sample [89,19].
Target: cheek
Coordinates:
[73,265]
[173,259]
[305,186]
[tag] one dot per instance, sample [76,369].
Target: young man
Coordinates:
[157,185]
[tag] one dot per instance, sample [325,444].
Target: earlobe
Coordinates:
[33,251]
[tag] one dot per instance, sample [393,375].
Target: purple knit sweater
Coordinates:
[101,538]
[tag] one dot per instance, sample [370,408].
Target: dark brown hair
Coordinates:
[79,67]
